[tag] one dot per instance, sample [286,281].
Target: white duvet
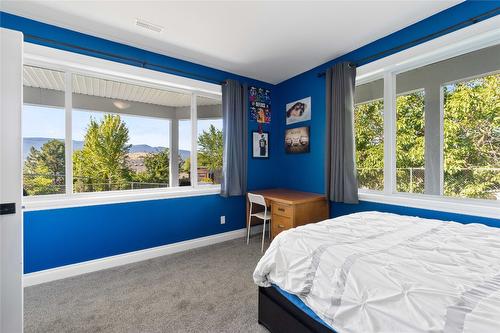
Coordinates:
[380,272]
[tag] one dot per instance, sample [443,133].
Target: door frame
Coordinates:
[11,223]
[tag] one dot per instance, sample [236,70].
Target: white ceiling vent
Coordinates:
[148,25]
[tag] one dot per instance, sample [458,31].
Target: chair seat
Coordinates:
[261,216]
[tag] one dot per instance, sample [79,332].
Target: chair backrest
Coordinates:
[256,198]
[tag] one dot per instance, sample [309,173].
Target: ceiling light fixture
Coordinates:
[121,105]
[148,25]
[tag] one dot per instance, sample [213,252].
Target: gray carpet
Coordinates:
[209,289]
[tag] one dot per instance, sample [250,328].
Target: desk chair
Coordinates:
[258,200]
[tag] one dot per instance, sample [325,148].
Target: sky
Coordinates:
[48,122]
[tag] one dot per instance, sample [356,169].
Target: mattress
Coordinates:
[380,272]
[295,300]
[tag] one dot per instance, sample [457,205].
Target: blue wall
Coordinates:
[339,209]
[65,236]
[60,237]
[306,171]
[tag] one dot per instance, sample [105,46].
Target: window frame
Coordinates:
[482,35]
[71,63]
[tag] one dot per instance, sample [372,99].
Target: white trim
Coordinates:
[63,272]
[389,132]
[68,132]
[42,56]
[102,198]
[194,142]
[441,139]
[480,208]
[11,225]
[472,38]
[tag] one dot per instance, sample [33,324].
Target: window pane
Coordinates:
[453,149]
[121,134]
[472,138]
[43,131]
[369,134]
[410,142]
[209,140]
[185,150]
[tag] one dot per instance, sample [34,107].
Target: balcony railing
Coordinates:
[42,183]
[480,182]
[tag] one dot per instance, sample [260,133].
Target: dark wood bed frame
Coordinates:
[278,315]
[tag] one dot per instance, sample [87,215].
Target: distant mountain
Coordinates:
[141,148]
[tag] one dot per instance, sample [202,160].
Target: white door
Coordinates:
[11,216]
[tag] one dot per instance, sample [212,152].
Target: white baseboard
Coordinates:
[62,272]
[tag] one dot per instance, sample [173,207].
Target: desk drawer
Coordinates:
[280,223]
[283,210]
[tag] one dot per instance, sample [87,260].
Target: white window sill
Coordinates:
[483,208]
[102,198]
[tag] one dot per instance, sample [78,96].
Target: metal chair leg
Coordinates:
[249,223]
[263,236]
[248,230]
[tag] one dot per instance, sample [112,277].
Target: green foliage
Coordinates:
[210,150]
[52,156]
[101,165]
[44,170]
[369,134]
[185,166]
[471,140]
[157,168]
[410,142]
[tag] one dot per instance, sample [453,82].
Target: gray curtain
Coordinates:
[234,118]
[341,178]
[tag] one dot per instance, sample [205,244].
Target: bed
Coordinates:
[381,272]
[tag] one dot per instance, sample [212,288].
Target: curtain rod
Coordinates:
[428,37]
[140,63]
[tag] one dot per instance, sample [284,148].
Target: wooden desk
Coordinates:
[290,208]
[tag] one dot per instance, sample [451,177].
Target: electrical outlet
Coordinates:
[222,220]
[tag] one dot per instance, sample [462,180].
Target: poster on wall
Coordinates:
[297,140]
[298,111]
[260,144]
[259,105]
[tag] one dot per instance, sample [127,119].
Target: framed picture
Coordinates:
[260,144]
[298,111]
[297,140]
[259,100]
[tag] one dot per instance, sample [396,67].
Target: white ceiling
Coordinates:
[266,40]
[85,85]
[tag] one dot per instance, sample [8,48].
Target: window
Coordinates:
[209,143]
[410,139]
[369,134]
[119,134]
[185,146]
[441,125]
[43,132]
[472,138]
[114,152]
